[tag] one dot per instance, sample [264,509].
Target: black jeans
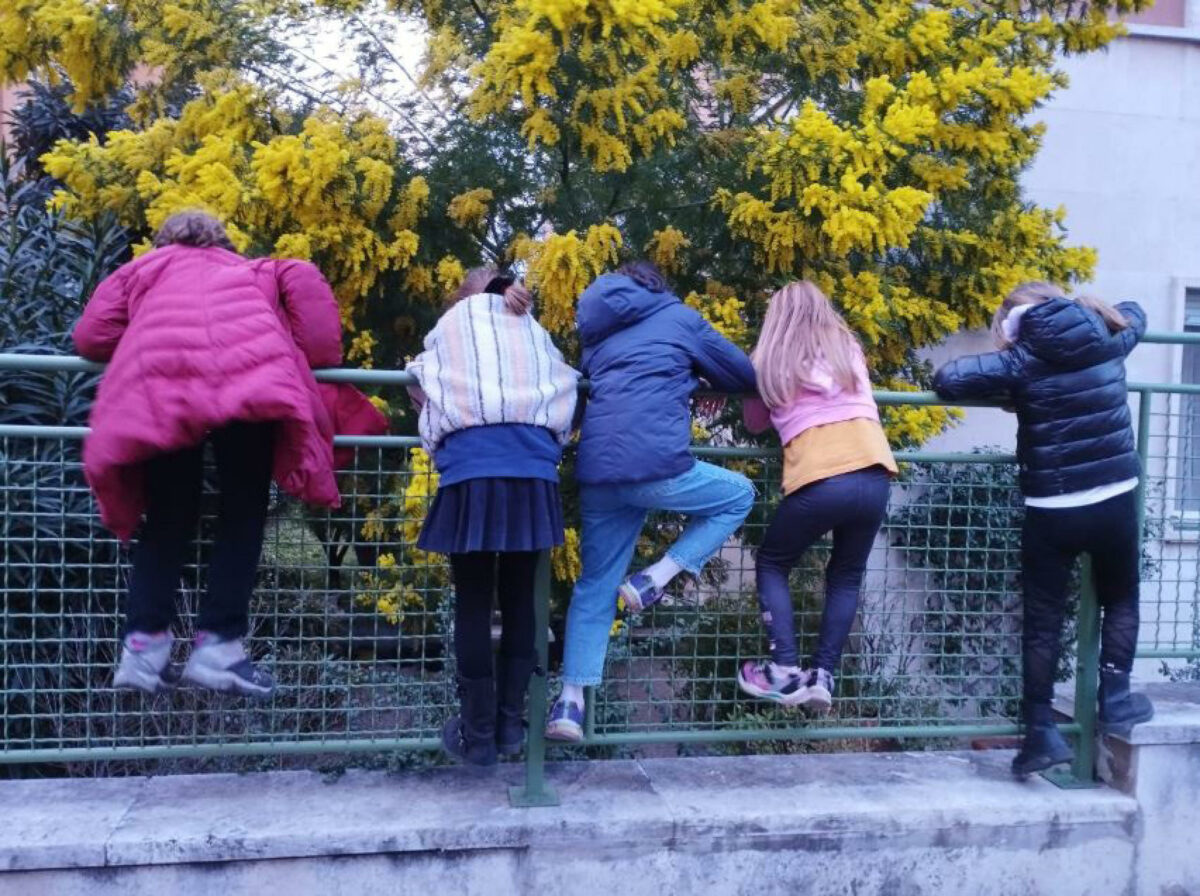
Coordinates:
[852,506]
[478,577]
[173,486]
[1051,540]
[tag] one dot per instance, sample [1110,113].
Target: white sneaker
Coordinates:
[146,663]
[225,666]
[817,693]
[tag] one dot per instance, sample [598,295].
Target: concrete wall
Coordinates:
[867,824]
[881,824]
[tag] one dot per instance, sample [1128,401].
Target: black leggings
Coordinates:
[173,486]
[1051,540]
[852,506]
[478,577]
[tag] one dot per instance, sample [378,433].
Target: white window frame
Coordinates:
[1184,525]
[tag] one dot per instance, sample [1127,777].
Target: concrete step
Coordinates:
[899,823]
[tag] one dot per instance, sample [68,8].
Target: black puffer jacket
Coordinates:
[1066,378]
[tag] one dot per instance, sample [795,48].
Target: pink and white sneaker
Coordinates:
[146,663]
[760,680]
[817,693]
[224,665]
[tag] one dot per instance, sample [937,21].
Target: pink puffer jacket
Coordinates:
[196,339]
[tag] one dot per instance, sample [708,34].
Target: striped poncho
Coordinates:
[484,365]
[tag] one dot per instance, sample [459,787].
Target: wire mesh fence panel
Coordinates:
[355,622]
[1170,439]
[936,644]
[350,618]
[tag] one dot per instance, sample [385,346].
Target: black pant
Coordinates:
[173,486]
[478,576]
[1051,540]
[852,506]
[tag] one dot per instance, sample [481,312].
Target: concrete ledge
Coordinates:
[1176,715]
[1158,764]
[863,823]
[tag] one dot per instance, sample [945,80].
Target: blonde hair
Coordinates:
[801,332]
[1037,291]
[193,228]
[517,298]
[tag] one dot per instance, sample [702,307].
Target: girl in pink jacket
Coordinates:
[204,345]
[837,469]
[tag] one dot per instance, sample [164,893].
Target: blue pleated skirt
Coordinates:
[494,514]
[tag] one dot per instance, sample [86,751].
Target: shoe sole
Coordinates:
[1123,729]
[149,683]
[1041,765]
[567,732]
[772,696]
[633,603]
[157,686]
[226,682]
[815,698]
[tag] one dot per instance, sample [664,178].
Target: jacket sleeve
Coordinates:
[312,312]
[756,415]
[417,368]
[719,361]
[352,414]
[429,351]
[1132,334]
[978,376]
[105,318]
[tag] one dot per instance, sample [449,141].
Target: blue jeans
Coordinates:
[852,506]
[717,500]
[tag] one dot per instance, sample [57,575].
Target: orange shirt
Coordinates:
[835,448]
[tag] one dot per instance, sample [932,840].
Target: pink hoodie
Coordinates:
[826,403]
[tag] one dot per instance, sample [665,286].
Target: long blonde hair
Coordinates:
[517,298]
[1037,291]
[801,333]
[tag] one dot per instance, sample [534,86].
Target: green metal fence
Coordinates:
[355,622]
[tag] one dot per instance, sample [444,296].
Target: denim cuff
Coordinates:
[683,564]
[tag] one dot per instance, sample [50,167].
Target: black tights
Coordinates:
[1051,541]
[478,577]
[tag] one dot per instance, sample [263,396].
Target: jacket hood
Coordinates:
[1068,335]
[614,302]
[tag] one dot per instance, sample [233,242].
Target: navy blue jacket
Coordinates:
[644,353]
[1065,376]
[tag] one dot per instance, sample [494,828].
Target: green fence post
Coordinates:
[1087,684]
[1145,397]
[535,791]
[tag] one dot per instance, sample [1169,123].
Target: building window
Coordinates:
[1189,454]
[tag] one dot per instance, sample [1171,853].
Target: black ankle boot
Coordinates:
[1042,746]
[512,681]
[470,736]
[1120,708]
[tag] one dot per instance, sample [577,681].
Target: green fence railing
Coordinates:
[354,621]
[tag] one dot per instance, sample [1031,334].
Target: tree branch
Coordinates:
[482,15]
[700,203]
[379,42]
